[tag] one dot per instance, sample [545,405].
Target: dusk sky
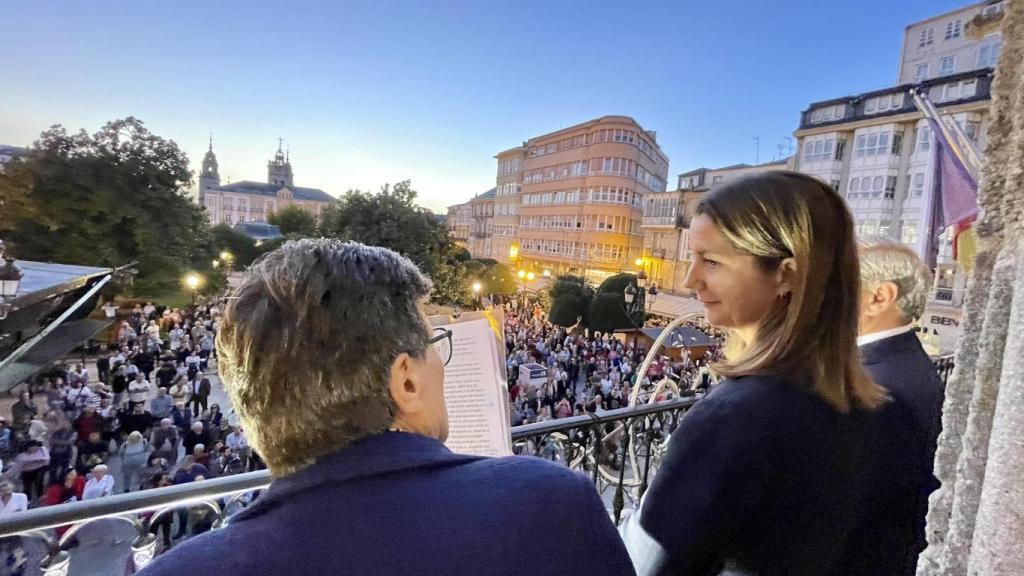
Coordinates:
[381,91]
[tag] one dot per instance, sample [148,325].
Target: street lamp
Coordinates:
[476,292]
[634,297]
[10,280]
[228,258]
[192,281]
[216,263]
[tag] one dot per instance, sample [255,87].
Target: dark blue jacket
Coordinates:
[403,504]
[892,531]
[761,476]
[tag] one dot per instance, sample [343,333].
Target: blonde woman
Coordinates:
[133,459]
[766,474]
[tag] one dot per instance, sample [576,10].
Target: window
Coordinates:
[947,65]
[834,112]
[840,148]
[890,187]
[876,144]
[814,151]
[952,30]
[921,73]
[924,138]
[993,8]
[988,53]
[917,185]
[883,103]
[909,233]
[854,184]
[927,37]
[834,184]
[716,180]
[897,142]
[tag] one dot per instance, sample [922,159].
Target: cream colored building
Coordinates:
[951,43]
[460,223]
[249,201]
[481,225]
[667,255]
[571,201]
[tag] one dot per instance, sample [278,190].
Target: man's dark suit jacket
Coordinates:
[892,531]
[403,504]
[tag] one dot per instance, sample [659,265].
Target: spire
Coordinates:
[211,142]
[288,154]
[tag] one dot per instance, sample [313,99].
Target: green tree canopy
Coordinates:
[607,311]
[243,248]
[293,220]
[494,277]
[570,300]
[392,219]
[107,199]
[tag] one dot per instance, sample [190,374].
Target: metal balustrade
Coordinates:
[619,450]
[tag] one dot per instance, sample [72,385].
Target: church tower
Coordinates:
[209,178]
[279,170]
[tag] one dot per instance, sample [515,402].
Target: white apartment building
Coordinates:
[951,43]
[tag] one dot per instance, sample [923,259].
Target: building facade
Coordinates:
[482,224]
[460,222]
[951,43]
[667,255]
[571,201]
[249,201]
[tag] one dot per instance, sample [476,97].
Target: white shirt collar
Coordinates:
[876,336]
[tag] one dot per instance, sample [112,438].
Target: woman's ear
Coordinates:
[785,277]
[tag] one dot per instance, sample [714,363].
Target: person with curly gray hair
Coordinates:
[894,288]
[338,380]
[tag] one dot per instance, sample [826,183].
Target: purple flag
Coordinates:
[954,198]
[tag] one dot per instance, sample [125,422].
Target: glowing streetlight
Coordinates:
[192,282]
[513,252]
[530,276]
[228,259]
[476,288]
[522,274]
[216,263]
[639,262]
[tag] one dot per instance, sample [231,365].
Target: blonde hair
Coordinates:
[811,336]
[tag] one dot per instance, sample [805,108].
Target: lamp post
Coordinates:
[10,280]
[476,293]
[192,281]
[228,259]
[634,296]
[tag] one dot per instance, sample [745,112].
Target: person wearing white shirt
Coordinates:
[99,483]
[138,389]
[11,502]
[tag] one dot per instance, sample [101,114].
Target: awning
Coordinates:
[671,306]
[62,340]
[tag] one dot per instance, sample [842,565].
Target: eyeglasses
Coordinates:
[442,342]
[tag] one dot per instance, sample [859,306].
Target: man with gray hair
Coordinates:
[894,287]
[338,380]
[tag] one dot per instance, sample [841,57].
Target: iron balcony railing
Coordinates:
[619,450]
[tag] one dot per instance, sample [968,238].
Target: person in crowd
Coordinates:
[33,463]
[164,440]
[99,484]
[214,422]
[766,474]
[137,420]
[61,445]
[201,456]
[179,391]
[6,441]
[197,434]
[161,405]
[163,522]
[88,422]
[182,417]
[372,436]
[92,452]
[166,374]
[11,502]
[24,410]
[138,390]
[200,393]
[190,471]
[894,288]
[133,454]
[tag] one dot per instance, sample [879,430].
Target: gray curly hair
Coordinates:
[307,343]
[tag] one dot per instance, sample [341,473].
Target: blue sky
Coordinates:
[380,91]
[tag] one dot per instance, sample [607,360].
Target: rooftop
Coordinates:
[264,189]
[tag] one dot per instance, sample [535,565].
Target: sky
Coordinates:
[371,92]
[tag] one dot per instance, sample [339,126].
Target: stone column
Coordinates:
[976,519]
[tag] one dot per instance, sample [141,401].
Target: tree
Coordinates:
[293,220]
[391,219]
[570,300]
[242,248]
[107,199]
[493,276]
[607,311]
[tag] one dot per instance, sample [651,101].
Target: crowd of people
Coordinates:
[146,407]
[587,371]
